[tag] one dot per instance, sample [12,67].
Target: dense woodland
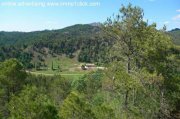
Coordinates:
[141,81]
[175,34]
[87,42]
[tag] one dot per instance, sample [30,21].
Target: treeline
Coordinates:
[175,34]
[87,42]
[8,52]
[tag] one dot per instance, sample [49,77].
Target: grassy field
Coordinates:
[61,61]
[64,66]
[69,75]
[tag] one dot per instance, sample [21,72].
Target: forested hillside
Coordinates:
[84,41]
[175,33]
[21,38]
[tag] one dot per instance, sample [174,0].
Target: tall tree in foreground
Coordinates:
[12,78]
[138,46]
[124,28]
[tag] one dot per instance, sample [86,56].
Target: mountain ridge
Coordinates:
[175,34]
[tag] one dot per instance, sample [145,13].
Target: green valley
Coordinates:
[123,68]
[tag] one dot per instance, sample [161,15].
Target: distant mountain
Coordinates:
[176,29]
[72,32]
[95,24]
[85,42]
[175,33]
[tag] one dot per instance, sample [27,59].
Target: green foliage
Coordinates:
[84,41]
[175,33]
[12,78]
[59,89]
[12,73]
[125,81]
[31,104]
[138,46]
[138,93]
[173,89]
[79,85]
[75,107]
[7,52]
[104,112]
[2,101]
[89,84]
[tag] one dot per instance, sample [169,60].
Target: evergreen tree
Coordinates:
[31,104]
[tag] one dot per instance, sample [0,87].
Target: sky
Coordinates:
[35,15]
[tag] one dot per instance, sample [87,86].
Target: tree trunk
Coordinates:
[126,99]
[128,64]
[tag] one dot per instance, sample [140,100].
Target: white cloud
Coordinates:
[166,22]
[144,19]
[177,17]
[150,20]
[178,10]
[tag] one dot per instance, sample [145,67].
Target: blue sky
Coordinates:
[33,18]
